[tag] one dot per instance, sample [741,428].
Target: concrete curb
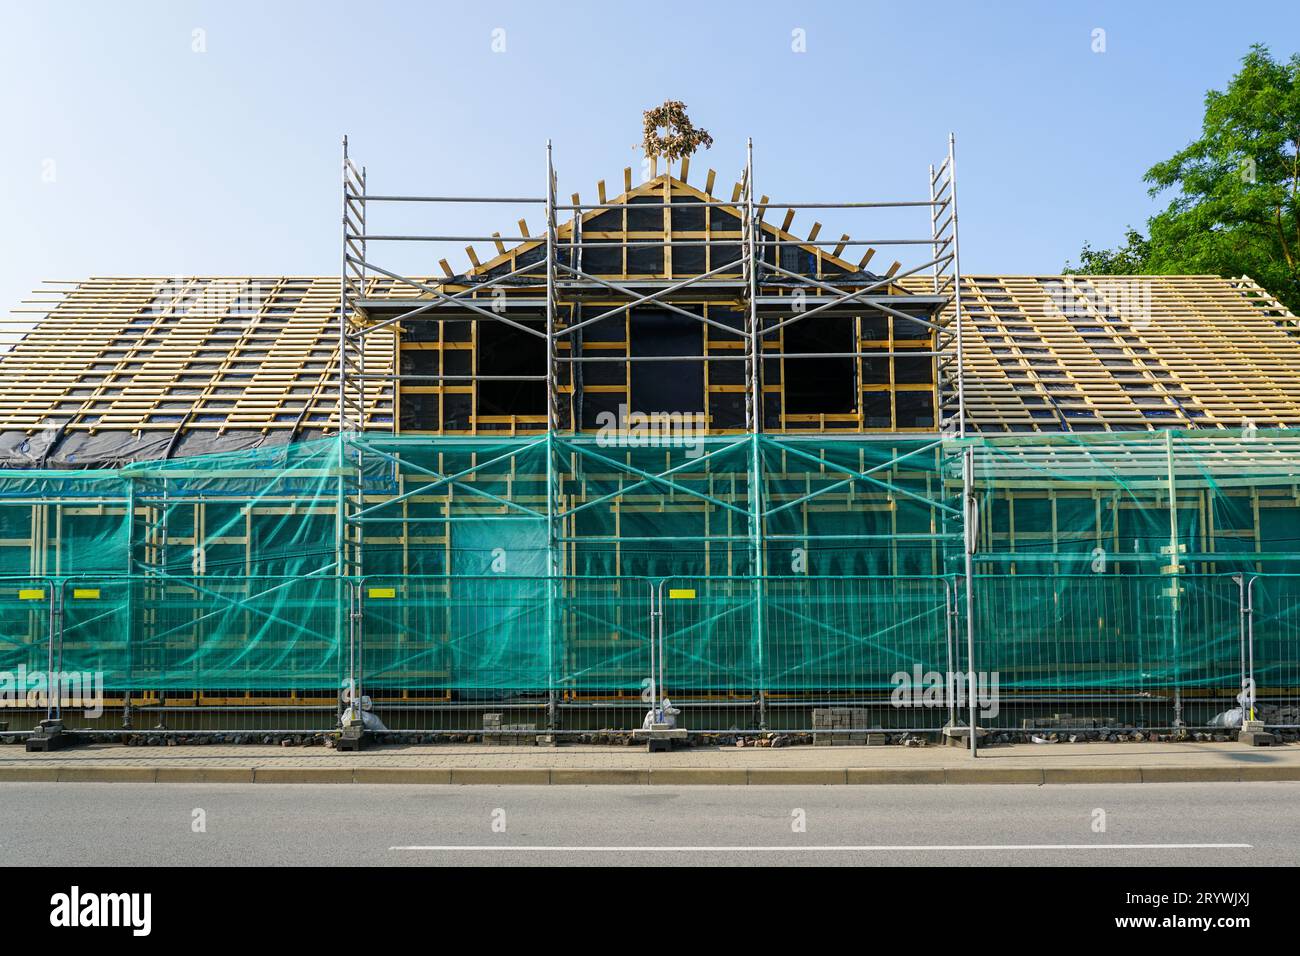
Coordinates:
[868,776]
[796,776]
[205,775]
[699,776]
[423,775]
[665,776]
[1029,775]
[515,776]
[1092,775]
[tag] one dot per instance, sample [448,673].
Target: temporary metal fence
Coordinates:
[1099,655]
[1270,648]
[579,658]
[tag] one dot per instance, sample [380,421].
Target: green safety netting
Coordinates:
[1103,563]
[1120,562]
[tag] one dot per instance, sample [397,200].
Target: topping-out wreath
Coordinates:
[681,139]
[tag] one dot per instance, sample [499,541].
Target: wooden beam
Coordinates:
[708,182]
[840,248]
[501,246]
[686,168]
[523,228]
[600,191]
[789,218]
[446,267]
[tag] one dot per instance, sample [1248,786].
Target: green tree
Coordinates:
[1129,259]
[1235,209]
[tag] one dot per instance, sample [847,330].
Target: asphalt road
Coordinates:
[1147,824]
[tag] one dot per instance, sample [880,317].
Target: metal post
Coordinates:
[660,621]
[970,523]
[1240,580]
[956,287]
[552,425]
[55,631]
[130,600]
[1249,705]
[345,593]
[934,231]
[756,428]
[358,637]
[343,309]
[1174,568]
[950,622]
[655,611]
[751,256]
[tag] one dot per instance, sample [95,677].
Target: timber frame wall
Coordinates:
[712,263]
[673,252]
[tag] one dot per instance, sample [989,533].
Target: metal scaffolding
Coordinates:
[774,295]
[556,296]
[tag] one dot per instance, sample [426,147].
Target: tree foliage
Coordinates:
[1129,259]
[1235,206]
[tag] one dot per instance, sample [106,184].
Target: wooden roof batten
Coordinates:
[99,356]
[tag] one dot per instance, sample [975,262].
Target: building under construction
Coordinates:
[655,443]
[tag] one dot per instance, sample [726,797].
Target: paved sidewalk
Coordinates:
[475,763]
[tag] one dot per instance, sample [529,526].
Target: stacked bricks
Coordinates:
[508,735]
[843,727]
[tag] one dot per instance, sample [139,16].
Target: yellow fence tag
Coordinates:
[85,594]
[383,592]
[31,594]
[681,594]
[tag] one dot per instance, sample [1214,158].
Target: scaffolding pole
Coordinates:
[755,370]
[553,556]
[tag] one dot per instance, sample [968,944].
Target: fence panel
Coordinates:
[26,645]
[1273,652]
[456,654]
[709,659]
[747,654]
[264,649]
[861,642]
[438,651]
[603,636]
[1088,654]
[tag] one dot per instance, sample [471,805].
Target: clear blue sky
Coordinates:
[169,161]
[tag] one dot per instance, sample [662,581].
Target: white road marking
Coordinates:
[831,848]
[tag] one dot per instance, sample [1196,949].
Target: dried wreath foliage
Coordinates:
[682,138]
